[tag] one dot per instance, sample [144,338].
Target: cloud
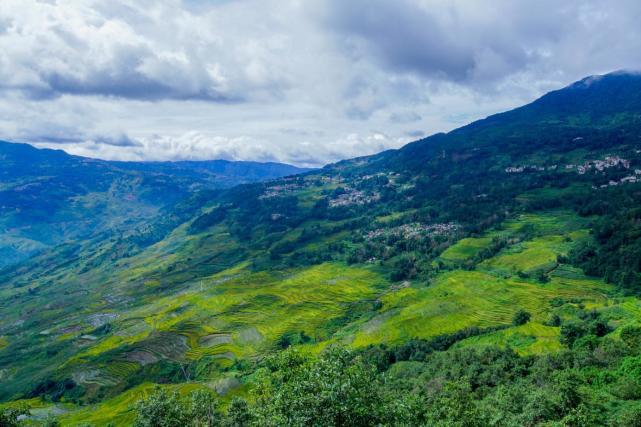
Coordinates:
[476,43]
[455,41]
[134,51]
[304,82]
[405,117]
[198,146]
[415,134]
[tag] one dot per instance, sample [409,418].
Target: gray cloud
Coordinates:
[405,117]
[403,36]
[303,82]
[457,41]
[415,133]
[133,51]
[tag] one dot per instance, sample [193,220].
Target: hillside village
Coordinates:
[599,165]
[413,230]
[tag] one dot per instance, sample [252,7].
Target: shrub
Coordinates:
[571,331]
[553,320]
[631,335]
[521,317]
[163,409]
[10,417]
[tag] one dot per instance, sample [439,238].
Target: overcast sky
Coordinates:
[300,81]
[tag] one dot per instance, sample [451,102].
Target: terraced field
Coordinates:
[238,314]
[462,299]
[538,254]
[231,315]
[491,294]
[466,248]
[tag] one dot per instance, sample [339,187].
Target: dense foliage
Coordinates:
[596,381]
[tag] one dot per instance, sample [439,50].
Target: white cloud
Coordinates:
[305,82]
[198,146]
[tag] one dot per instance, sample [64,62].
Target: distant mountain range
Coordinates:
[48,197]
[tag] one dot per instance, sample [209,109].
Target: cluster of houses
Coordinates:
[353,197]
[330,179]
[599,165]
[413,230]
[521,169]
[630,179]
[278,190]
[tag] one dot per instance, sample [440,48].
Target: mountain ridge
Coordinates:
[44,192]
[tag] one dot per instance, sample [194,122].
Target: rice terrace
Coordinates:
[323,213]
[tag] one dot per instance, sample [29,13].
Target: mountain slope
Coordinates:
[48,197]
[442,242]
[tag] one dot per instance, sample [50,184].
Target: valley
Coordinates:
[446,254]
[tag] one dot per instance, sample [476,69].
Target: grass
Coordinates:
[466,249]
[531,338]
[538,254]
[461,299]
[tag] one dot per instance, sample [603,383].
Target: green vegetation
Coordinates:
[474,278]
[521,317]
[466,249]
[594,382]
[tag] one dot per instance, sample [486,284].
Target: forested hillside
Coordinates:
[48,197]
[487,276]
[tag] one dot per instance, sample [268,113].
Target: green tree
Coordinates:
[160,409]
[203,409]
[10,417]
[238,413]
[630,417]
[521,317]
[338,389]
[553,320]
[631,335]
[454,406]
[163,409]
[571,331]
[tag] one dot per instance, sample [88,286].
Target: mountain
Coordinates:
[490,273]
[48,197]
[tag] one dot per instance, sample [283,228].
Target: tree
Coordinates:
[160,409]
[238,413]
[521,317]
[553,320]
[571,331]
[163,409]
[203,409]
[454,406]
[338,389]
[10,417]
[631,335]
[630,417]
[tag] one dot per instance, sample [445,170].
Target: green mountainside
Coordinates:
[48,197]
[487,276]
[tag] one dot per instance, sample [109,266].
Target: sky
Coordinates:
[305,82]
